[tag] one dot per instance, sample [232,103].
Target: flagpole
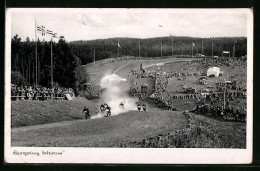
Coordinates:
[35,53]
[161,48]
[234,50]
[29,71]
[51,66]
[182,49]
[118,49]
[22,68]
[212,49]
[202,48]
[39,67]
[94,57]
[172,47]
[192,50]
[139,48]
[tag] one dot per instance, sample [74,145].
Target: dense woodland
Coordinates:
[69,56]
[107,48]
[23,63]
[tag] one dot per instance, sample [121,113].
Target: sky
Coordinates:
[89,24]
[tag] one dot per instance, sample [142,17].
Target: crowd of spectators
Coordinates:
[37,92]
[220,61]
[161,83]
[230,112]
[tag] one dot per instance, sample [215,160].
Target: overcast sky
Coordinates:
[89,24]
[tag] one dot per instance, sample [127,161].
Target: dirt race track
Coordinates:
[102,132]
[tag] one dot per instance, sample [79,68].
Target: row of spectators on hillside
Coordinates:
[37,92]
[214,109]
[184,74]
[215,96]
[150,74]
[221,61]
[128,58]
[234,85]
[235,112]
[161,83]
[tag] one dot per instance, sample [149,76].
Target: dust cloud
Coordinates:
[115,91]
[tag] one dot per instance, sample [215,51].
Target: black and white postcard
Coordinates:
[135,86]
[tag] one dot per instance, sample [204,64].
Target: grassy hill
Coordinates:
[104,132]
[26,113]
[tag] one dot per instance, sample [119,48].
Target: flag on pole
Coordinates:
[49,32]
[118,45]
[41,29]
[193,44]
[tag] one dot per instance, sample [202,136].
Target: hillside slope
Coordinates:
[104,132]
[25,113]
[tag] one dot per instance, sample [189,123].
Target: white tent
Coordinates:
[213,71]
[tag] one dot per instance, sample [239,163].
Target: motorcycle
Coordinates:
[87,115]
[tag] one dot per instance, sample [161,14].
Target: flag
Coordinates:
[118,45]
[193,44]
[41,29]
[55,35]
[49,32]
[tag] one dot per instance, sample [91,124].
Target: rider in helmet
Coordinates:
[138,106]
[86,112]
[144,107]
[102,107]
[108,111]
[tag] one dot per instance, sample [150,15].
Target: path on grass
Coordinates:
[103,132]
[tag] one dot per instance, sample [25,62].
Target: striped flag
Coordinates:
[49,32]
[54,35]
[41,29]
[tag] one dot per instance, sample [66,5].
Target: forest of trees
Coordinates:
[151,47]
[69,56]
[23,63]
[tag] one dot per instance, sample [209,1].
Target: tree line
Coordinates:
[151,47]
[66,66]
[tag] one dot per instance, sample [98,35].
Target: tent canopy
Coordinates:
[213,71]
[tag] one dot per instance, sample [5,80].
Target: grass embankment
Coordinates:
[201,132]
[25,113]
[113,131]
